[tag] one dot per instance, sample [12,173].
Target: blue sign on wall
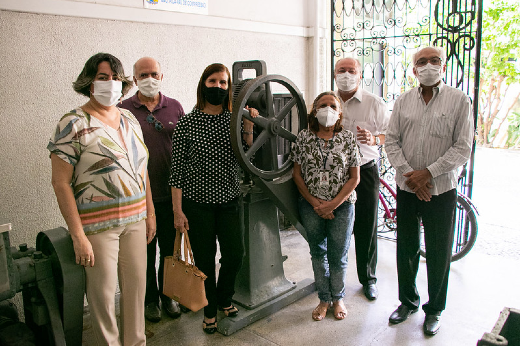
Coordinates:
[187,6]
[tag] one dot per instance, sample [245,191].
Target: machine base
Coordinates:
[246,317]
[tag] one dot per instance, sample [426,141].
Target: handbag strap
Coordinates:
[187,248]
[188,254]
[177,245]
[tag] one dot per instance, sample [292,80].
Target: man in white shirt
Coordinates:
[430,135]
[365,114]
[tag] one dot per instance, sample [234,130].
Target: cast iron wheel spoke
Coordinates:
[274,151]
[284,133]
[286,109]
[269,100]
[259,120]
[257,144]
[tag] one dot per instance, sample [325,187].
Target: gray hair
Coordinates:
[358,64]
[439,50]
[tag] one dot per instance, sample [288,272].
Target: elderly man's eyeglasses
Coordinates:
[424,61]
[157,124]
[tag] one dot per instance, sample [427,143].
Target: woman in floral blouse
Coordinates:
[101,183]
[326,171]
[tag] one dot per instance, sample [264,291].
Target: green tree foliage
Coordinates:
[500,51]
[513,130]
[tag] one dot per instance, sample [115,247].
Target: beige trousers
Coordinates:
[119,252]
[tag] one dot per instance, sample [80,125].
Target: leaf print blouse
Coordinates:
[335,156]
[109,178]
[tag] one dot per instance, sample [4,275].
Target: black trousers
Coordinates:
[365,224]
[165,236]
[209,222]
[437,218]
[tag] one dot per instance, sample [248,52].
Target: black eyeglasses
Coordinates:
[152,120]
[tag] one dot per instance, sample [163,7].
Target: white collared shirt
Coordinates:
[369,112]
[437,136]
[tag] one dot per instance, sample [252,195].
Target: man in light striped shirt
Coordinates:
[429,136]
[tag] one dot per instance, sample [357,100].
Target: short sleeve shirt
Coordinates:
[203,163]
[334,156]
[109,177]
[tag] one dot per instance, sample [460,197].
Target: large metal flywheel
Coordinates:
[273,127]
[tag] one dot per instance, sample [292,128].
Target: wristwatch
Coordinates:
[377,140]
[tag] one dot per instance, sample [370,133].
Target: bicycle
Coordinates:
[466,225]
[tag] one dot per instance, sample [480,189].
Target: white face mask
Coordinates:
[107,92]
[429,74]
[149,87]
[347,81]
[327,116]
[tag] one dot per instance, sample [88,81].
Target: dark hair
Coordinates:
[313,121]
[208,71]
[88,74]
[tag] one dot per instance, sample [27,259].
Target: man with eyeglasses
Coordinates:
[429,136]
[158,116]
[366,115]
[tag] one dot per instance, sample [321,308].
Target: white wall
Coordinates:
[287,17]
[44,44]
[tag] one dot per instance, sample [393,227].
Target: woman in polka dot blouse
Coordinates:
[326,172]
[205,188]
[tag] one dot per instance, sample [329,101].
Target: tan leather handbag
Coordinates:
[183,281]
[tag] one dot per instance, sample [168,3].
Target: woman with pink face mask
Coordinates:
[326,172]
[99,175]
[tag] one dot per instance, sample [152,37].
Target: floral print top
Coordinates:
[335,156]
[109,178]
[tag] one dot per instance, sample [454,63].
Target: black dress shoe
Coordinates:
[401,314]
[370,291]
[171,307]
[432,324]
[152,312]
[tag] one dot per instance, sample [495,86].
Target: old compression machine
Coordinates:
[267,188]
[52,287]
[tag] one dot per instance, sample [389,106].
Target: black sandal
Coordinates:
[230,311]
[209,328]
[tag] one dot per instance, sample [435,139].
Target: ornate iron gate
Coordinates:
[383,35]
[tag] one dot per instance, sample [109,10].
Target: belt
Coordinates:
[368,165]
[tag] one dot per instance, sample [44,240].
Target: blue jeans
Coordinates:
[329,241]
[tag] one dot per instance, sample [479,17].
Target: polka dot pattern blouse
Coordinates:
[203,163]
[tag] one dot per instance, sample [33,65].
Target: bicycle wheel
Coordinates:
[466,229]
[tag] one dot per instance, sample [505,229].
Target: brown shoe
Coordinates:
[320,311]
